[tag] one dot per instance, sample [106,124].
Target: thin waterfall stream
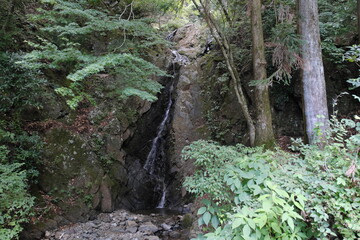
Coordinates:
[156,159]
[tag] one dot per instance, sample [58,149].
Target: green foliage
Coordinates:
[237,181]
[20,90]
[83,42]
[23,149]
[157,6]
[216,88]
[282,40]
[319,193]
[15,85]
[13,24]
[334,190]
[15,202]
[353,55]
[337,25]
[286,51]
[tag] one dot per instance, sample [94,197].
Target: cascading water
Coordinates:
[156,143]
[156,159]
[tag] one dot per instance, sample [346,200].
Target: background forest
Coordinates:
[76,65]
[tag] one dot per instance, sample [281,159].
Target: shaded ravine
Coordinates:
[155,161]
[157,158]
[148,150]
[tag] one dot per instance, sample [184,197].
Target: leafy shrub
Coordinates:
[277,195]
[238,181]
[15,202]
[23,149]
[16,83]
[83,41]
[353,55]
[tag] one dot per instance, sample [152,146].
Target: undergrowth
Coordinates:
[250,193]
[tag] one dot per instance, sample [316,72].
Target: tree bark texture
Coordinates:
[313,79]
[224,45]
[263,125]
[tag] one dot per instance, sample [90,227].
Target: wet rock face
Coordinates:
[123,225]
[188,122]
[190,40]
[143,190]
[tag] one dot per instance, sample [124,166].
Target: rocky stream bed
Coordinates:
[123,225]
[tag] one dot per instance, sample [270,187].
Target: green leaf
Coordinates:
[284,217]
[251,223]
[237,222]
[267,205]
[261,220]
[341,181]
[276,227]
[201,210]
[200,221]
[211,210]
[281,193]
[246,231]
[215,221]
[257,190]
[290,222]
[206,217]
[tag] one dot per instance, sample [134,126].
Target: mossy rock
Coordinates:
[68,167]
[187,221]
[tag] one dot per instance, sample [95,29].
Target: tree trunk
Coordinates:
[264,130]
[313,80]
[224,45]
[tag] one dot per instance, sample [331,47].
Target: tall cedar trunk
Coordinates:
[264,131]
[224,45]
[313,80]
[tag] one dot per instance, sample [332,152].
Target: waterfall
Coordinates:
[156,143]
[155,160]
[163,197]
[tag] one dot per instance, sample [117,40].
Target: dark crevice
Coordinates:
[145,187]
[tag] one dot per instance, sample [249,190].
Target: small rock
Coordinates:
[132,229]
[104,218]
[47,234]
[151,238]
[174,235]
[59,235]
[131,224]
[140,218]
[148,227]
[166,227]
[91,225]
[170,221]
[97,221]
